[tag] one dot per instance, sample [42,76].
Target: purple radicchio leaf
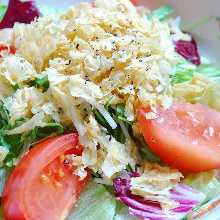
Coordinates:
[19,11]
[187,198]
[188,50]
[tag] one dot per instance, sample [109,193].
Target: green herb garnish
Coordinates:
[118,115]
[41,83]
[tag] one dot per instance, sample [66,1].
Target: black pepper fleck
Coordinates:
[98,146]
[69,62]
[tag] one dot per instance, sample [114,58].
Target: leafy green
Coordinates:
[95,203]
[118,115]
[48,130]
[4,117]
[122,213]
[184,72]
[162,13]
[41,83]
[2,180]
[210,71]
[205,182]
[148,154]
[3,9]
[17,143]
[145,152]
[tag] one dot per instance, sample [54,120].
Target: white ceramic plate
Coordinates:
[206,13]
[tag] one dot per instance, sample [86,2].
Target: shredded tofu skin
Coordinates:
[155,183]
[92,56]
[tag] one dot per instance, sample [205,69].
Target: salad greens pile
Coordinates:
[97,201]
[18,143]
[184,72]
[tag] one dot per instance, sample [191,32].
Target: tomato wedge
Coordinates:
[185,136]
[42,186]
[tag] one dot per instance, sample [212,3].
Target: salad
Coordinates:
[107,111]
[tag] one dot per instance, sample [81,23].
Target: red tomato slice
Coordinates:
[185,136]
[10,49]
[41,186]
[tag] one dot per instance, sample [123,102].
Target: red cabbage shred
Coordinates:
[19,11]
[188,50]
[185,196]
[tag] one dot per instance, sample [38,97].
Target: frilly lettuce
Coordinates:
[199,89]
[123,213]
[197,84]
[95,203]
[209,70]
[3,9]
[205,182]
[184,72]
[17,137]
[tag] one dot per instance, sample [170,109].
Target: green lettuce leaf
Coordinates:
[41,83]
[145,152]
[122,213]
[205,182]
[210,71]
[3,9]
[95,203]
[18,143]
[162,13]
[184,72]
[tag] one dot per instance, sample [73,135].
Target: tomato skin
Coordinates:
[10,49]
[27,197]
[134,2]
[185,136]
